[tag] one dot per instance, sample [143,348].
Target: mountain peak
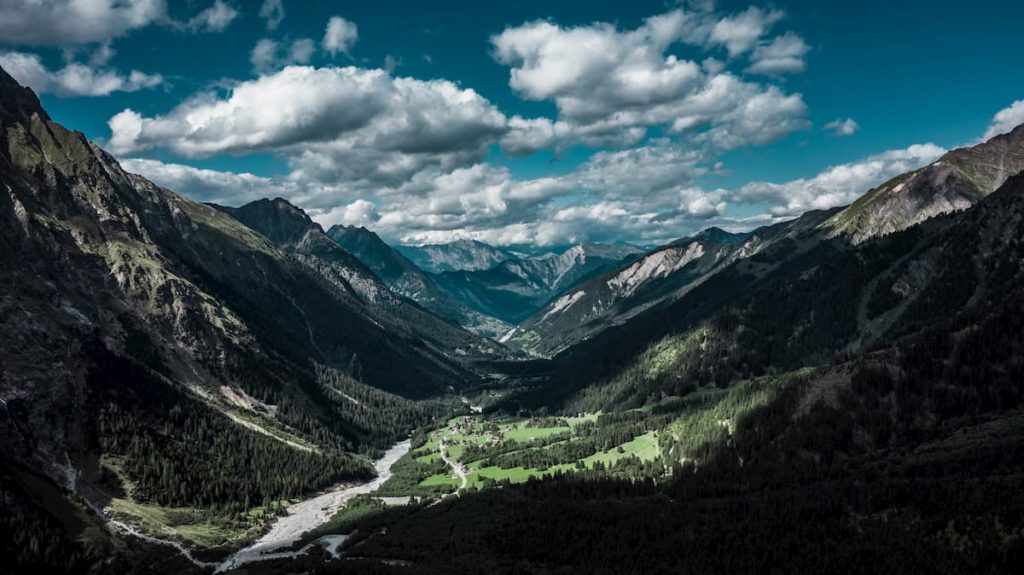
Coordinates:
[278,219]
[956,181]
[717,235]
[17,102]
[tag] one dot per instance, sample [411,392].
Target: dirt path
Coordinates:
[457,468]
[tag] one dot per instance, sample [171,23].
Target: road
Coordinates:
[457,468]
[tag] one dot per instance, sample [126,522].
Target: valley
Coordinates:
[288,378]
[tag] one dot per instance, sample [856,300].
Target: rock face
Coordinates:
[98,265]
[956,181]
[460,255]
[406,279]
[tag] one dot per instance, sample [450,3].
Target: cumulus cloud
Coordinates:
[62,23]
[359,213]
[351,108]
[1006,120]
[268,55]
[640,172]
[216,18]
[740,33]
[273,12]
[340,36]
[783,55]
[847,127]
[838,185]
[611,85]
[225,188]
[593,71]
[74,79]
[77,22]
[408,157]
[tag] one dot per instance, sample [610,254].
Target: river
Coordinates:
[310,514]
[300,518]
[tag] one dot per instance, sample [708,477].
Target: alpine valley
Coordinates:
[191,387]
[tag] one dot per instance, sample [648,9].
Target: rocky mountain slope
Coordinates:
[831,301]
[663,274]
[137,322]
[467,255]
[956,181]
[408,280]
[292,230]
[516,288]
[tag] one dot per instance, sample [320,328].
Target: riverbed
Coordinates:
[311,513]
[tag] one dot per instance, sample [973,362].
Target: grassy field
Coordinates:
[184,524]
[202,528]
[426,474]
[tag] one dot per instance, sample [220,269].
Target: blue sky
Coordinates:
[639,121]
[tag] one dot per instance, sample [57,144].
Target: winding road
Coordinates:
[457,468]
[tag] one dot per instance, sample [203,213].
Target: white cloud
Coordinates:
[640,172]
[102,55]
[645,195]
[358,213]
[225,188]
[63,23]
[610,85]
[1006,120]
[838,185]
[273,12]
[740,33]
[269,55]
[846,127]
[216,18]
[783,55]
[340,36]
[354,130]
[593,71]
[74,79]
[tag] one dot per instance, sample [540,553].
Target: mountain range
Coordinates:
[846,382]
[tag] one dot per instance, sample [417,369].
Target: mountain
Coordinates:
[668,272]
[292,230]
[460,255]
[859,399]
[806,296]
[161,349]
[956,181]
[516,288]
[408,280]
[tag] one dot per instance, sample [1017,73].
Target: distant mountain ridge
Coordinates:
[293,230]
[460,255]
[516,288]
[407,279]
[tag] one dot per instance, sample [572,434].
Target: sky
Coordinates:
[540,123]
